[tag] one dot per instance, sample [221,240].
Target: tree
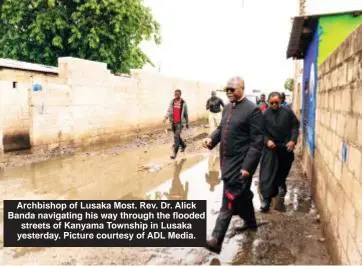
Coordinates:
[289,84]
[109,31]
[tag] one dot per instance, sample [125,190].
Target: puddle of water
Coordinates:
[90,176]
[293,201]
[202,182]
[127,175]
[85,177]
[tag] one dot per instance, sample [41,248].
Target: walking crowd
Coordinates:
[248,135]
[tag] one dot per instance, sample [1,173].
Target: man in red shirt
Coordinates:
[262,103]
[178,117]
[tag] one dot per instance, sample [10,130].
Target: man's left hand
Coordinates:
[245,173]
[290,146]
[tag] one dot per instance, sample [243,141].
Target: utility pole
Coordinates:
[302,7]
[298,86]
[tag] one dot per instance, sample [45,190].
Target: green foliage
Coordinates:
[289,84]
[109,31]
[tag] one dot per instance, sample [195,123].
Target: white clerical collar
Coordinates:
[242,98]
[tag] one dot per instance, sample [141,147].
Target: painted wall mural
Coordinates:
[332,31]
[310,88]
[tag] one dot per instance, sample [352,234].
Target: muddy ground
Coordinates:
[289,234]
[159,137]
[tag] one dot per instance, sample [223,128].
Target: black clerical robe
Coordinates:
[240,135]
[280,126]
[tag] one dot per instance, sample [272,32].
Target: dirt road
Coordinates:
[290,234]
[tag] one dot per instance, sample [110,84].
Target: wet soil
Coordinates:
[162,136]
[289,234]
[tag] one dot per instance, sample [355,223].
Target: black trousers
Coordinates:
[243,207]
[178,142]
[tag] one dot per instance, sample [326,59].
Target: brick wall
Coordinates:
[86,104]
[338,183]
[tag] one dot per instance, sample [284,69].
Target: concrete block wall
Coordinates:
[86,104]
[1,121]
[338,182]
[15,106]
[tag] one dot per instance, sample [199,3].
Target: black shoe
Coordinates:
[246,227]
[173,155]
[265,206]
[213,246]
[183,148]
[174,152]
[282,192]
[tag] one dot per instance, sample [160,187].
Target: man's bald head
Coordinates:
[235,82]
[235,88]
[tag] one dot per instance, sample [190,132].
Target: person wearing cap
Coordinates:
[177,114]
[214,105]
[240,135]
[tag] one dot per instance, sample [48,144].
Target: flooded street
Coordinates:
[289,234]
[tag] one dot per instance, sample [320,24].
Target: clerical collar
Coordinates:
[242,98]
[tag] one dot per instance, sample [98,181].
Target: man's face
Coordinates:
[213,94]
[235,90]
[177,95]
[262,98]
[274,102]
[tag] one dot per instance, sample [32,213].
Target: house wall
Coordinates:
[15,106]
[336,168]
[86,104]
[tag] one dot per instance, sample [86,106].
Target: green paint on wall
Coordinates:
[333,30]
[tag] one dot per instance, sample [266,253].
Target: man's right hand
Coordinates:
[271,144]
[206,143]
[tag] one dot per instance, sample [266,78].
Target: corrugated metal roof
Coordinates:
[295,38]
[14,64]
[302,32]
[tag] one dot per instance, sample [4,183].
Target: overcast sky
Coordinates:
[212,40]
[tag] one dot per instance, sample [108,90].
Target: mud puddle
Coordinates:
[285,237]
[159,137]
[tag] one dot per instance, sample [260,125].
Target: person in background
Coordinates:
[177,114]
[281,130]
[214,105]
[262,103]
[283,102]
[240,135]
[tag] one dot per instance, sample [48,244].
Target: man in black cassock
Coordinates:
[281,130]
[240,134]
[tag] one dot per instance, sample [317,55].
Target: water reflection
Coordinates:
[178,191]
[98,176]
[212,177]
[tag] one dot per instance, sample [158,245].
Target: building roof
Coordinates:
[14,64]
[302,32]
